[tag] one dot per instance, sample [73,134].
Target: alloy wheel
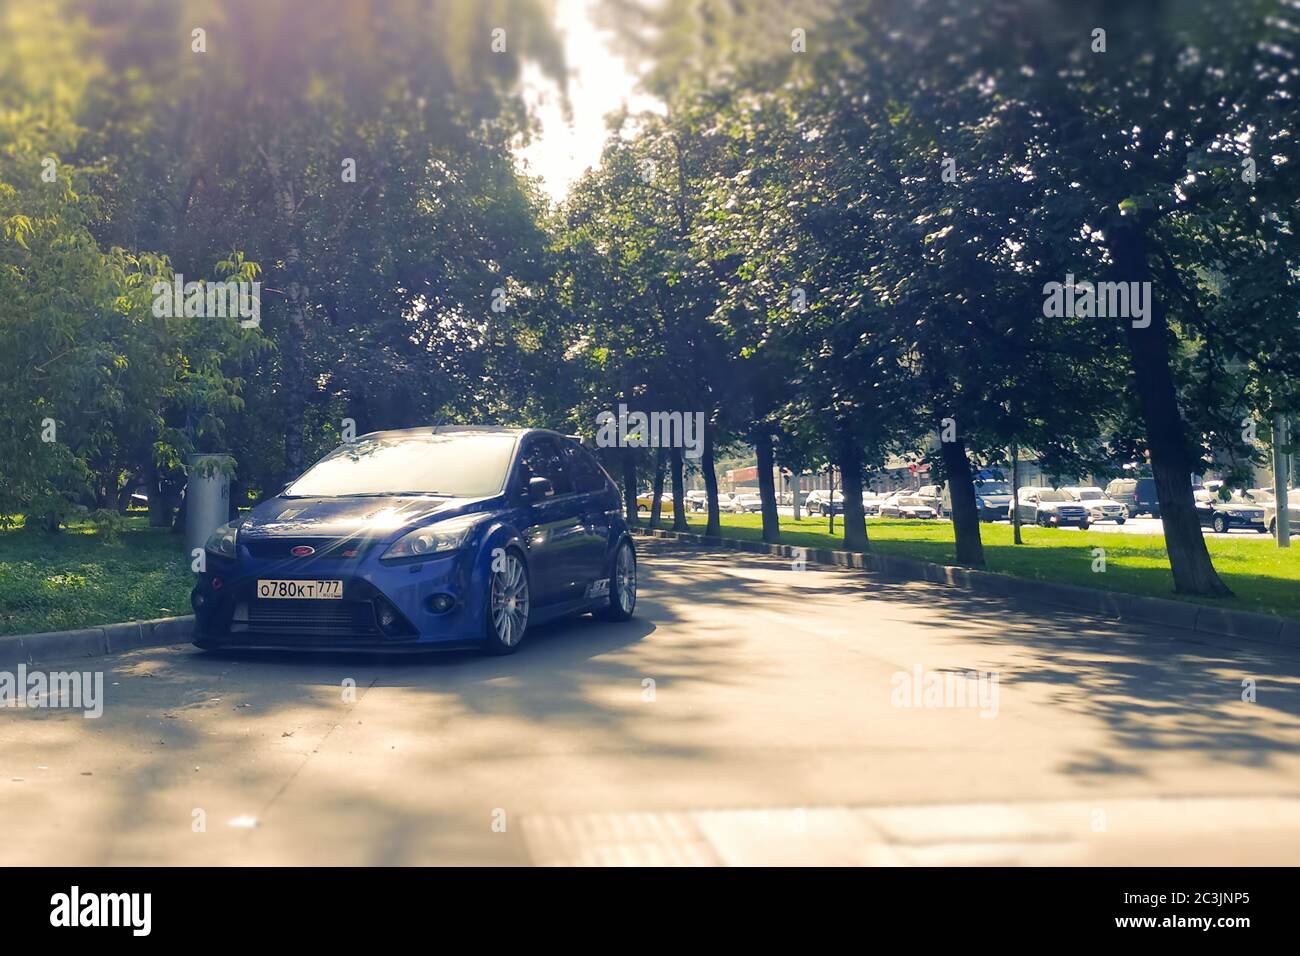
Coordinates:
[625,579]
[509,603]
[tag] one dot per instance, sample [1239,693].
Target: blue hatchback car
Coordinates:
[420,539]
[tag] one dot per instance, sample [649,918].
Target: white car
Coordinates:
[749,503]
[697,500]
[1100,508]
[727,501]
[905,504]
[871,503]
[1264,498]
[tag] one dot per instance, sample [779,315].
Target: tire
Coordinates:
[1120,521]
[507,592]
[1083,525]
[622,584]
[1272,527]
[1040,521]
[1220,524]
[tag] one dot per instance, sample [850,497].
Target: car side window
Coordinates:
[543,459]
[587,473]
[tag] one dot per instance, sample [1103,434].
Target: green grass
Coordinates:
[1264,577]
[56,582]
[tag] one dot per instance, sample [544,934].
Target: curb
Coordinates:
[1116,605]
[94,641]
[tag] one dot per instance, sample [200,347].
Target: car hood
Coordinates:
[375,518]
[1238,506]
[1058,505]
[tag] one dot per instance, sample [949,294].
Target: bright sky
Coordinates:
[599,83]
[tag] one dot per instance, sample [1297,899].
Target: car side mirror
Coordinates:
[540,488]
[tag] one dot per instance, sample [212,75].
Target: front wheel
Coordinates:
[1220,524]
[1120,520]
[622,585]
[507,604]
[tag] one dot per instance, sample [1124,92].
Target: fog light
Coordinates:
[441,603]
[387,615]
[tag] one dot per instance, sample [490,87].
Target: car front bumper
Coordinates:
[383,608]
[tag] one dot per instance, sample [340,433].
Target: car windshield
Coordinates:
[1088,494]
[992,488]
[459,466]
[1050,495]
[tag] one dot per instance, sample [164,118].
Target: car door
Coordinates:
[599,497]
[554,532]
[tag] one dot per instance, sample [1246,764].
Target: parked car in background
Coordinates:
[1223,516]
[931,495]
[1269,504]
[822,503]
[749,503]
[1137,495]
[697,500]
[992,498]
[645,501]
[1100,508]
[871,503]
[904,504]
[727,501]
[1049,508]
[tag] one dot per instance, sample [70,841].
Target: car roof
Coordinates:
[464,430]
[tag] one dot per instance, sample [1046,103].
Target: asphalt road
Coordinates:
[776,733]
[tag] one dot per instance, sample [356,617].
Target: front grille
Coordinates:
[274,547]
[342,620]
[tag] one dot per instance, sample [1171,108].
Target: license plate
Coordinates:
[309,590]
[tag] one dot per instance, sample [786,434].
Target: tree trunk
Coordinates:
[657,492]
[1015,494]
[830,492]
[679,490]
[766,489]
[855,519]
[1283,516]
[965,513]
[714,527]
[629,486]
[1166,433]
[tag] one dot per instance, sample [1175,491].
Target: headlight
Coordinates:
[222,541]
[979,502]
[434,539]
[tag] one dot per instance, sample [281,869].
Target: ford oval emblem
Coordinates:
[301,551]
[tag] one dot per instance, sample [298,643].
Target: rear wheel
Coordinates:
[507,605]
[622,585]
[1220,524]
